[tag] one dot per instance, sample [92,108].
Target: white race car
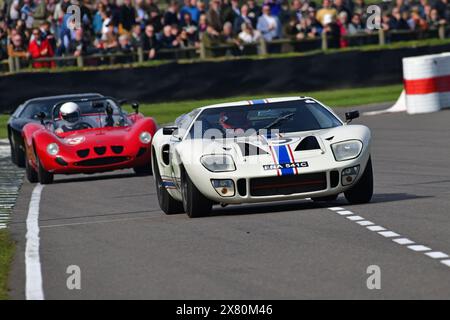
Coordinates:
[260,150]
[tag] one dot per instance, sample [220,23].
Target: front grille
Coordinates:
[101,161]
[285,185]
[242,187]
[83,153]
[117,149]
[334,178]
[100,150]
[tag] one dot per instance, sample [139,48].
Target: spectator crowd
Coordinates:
[48,28]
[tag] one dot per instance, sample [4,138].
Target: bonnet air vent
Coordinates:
[250,150]
[308,143]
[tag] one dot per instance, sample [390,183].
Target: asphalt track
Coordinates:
[111,227]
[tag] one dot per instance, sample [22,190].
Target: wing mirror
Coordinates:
[349,116]
[135,106]
[168,131]
[41,116]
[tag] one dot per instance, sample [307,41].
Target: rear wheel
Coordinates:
[194,202]
[362,191]
[44,176]
[32,175]
[167,204]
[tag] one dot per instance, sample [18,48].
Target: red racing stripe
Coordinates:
[292,157]
[427,85]
[274,160]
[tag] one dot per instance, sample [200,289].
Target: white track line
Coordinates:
[393,235]
[33,286]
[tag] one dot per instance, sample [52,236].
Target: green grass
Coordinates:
[6,255]
[3,119]
[167,112]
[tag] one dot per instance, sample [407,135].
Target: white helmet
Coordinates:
[70,112]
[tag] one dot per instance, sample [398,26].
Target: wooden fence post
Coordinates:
[441,31]
[80,62]
[324,41]
[16,63]
[381,37]
[140,54]
[11,64]
[202,47]
[262,48]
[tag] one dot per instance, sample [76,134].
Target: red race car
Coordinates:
[88,136]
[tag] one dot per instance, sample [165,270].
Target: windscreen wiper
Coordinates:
[279,120]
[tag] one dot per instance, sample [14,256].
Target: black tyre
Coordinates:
[44,176]
[195,204]
[17,154]
[13,152]
[167,204]
[362,191]
[325,199]
[144,170]
[32,175]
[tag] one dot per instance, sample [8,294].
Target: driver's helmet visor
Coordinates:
[71,117]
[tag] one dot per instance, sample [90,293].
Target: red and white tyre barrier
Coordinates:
[427,83]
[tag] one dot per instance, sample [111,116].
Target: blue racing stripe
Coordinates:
[259,101]
[168,184]
[283,158]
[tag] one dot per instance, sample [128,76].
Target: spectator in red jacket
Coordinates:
[40,48]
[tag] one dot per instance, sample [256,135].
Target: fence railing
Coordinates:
[205,50]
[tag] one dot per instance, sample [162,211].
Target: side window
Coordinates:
[325,119]
[183,122]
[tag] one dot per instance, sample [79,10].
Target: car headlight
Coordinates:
[52,149]
[218,163]
[145,137]
[224,187]
[346,150]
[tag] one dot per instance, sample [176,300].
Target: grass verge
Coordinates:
[167,112]
[6,255]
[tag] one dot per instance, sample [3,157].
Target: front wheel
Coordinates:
[167,204]
[194,202]
[32,175]
[362,191]
[44,176]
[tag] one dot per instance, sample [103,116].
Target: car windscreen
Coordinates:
[33,108]
[94,112]
[285,117]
